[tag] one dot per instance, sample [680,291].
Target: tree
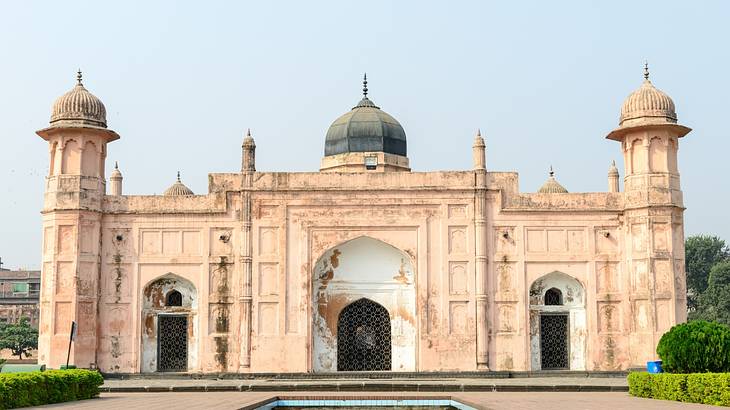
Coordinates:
[714,302]
[702,252]
[19,337]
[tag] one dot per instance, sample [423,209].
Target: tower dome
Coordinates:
[78,107]
[647,105]
[178,188]
[365,128]
[552,186]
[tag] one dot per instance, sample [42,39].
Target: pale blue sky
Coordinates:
[182,81]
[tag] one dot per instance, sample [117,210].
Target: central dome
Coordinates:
[365,128]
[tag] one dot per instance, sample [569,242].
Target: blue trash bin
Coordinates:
[654,367]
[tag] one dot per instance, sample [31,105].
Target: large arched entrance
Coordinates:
[557,323]
[169,331]
[364,295]
[363,337]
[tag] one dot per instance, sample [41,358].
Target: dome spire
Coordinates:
[178,176]
[79,77]
[365,85]
[646,70]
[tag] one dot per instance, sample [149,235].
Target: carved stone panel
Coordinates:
[268,241]
[457,240]
[458,317]
[609,316]
[506,318]
[458,278]
[457,211]
[268,279]
[607,274]
[268,318]
[660,236]
[66,239]
[640,279]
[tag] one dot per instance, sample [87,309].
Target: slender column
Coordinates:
[246,300]
[480,225]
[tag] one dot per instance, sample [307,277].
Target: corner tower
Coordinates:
[653,217]
[75,186]
[365,139]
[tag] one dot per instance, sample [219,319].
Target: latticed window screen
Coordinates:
[172,343]
[554,341]
[363,337]
[553,296]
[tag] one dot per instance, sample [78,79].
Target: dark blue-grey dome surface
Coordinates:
[365,128]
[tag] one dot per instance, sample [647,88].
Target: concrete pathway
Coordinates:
[370,385]
[483,400]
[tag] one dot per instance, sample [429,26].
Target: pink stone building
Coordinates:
[364,265]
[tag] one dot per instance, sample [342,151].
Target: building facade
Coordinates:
[19,295]
[364,265]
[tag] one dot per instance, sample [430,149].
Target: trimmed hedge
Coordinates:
[51,386]
[705,388]
[695,347]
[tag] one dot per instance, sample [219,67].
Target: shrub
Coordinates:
[51,386]
[705,388]
[695,347]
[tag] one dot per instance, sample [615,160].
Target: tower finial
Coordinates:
[78,77]
[552,173]
[365,85]
[178,176]
[646,70]
[116,165]
[479,132]
[248,132]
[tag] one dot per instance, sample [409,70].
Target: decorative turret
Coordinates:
[551,186]
[613,177]
[653,216]
[75,187]
[116,181]
[478,152]
[248,157]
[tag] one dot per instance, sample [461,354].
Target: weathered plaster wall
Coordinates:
[364,268]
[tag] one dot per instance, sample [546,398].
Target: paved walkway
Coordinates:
[422,384]
[491,400]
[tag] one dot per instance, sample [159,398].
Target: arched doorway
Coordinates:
[557,323]
[363,337]
[169,328]
[357,276]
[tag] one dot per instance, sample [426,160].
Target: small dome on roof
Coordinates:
[365,128]
[648,104]
[551,186]
[78,107]
[178,188]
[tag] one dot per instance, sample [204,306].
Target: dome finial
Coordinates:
[646,70]
[365,85]
[178,176]
[79,77]
[551,173]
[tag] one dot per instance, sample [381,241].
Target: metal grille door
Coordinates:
[172,343]
[554,341]
[363,337]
